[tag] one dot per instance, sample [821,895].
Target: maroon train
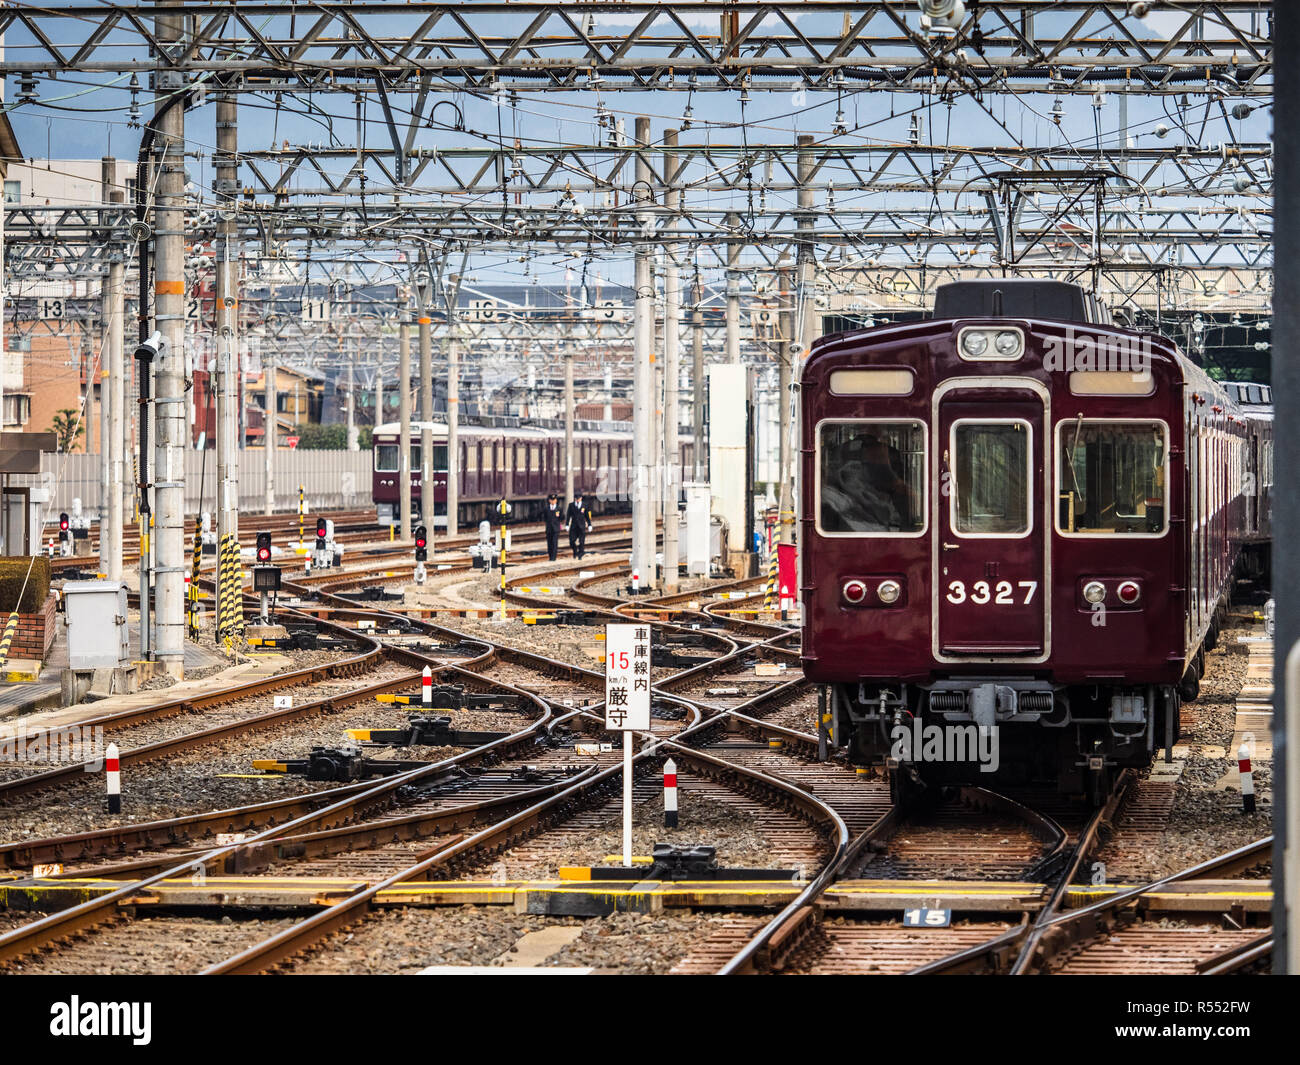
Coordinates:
[521,462]
[1019,528]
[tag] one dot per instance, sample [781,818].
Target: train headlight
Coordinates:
[975,343]
[1094,592]
[1129,592]
[1007,343]
[889,591]
[854,591]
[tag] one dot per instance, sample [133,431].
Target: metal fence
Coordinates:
[331,480]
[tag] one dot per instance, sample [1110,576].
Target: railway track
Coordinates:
[735,738]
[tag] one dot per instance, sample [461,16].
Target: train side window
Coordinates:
[871,478]
[439,456]
[386,458]
[1111,477]
[991,493]
[415,457]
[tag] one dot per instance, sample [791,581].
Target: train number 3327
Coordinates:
[1000,593]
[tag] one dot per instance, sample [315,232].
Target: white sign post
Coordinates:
[627,703]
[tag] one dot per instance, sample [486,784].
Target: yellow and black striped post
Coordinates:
[769,592]
[194,580]
[301,510]
[11,626]
[230,587]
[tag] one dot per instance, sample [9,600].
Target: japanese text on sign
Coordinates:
[627,677]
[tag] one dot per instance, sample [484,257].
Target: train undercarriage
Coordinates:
[1007,730]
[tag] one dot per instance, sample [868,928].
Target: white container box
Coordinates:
[95,615]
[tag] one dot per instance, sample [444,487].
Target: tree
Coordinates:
[329,437]
[67,428]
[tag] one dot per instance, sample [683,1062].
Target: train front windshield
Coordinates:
[872,477]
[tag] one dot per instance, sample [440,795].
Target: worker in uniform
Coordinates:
[578,520]
[554,520]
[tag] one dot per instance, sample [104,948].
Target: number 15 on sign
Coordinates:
[627,703]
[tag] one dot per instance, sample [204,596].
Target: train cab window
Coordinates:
[386,458]
[991,479]
[1111,478]
[871,478]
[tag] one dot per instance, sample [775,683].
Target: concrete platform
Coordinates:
[45,693]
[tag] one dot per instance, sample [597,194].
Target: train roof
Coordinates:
[1019,297]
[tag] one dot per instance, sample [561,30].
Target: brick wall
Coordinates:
[35,633]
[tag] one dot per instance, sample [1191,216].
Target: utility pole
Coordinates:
[107,167]
[270,428]
[643,400]
[798,346]
[733,292]
[453,410]
[568,421]
[226,187]
[352,400]
[699,472]
[784,347]
[404,424]
[672,466]
[110,522]
[427,506]
[170,400]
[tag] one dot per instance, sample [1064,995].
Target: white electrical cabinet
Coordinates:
[95,615]
[698,547]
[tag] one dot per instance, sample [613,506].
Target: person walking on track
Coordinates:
[554,523]
[579,522]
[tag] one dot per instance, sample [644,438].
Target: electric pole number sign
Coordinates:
[627,677]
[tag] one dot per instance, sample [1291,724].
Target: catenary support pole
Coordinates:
[672,465]
[453,410]
[427,505]
[699,472]
[171,402]
[226,187]
[643,400]
[110,529]
[404,425]
[270,427]
[733,291]
[568,424]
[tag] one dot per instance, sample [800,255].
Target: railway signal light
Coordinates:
[63,522]
[264,547]
[421,543]
[320,534]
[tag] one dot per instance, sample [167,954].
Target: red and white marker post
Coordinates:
[1247,779]
[636,580]
[113,774]
[785,602]
[426,687]
[670,794]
